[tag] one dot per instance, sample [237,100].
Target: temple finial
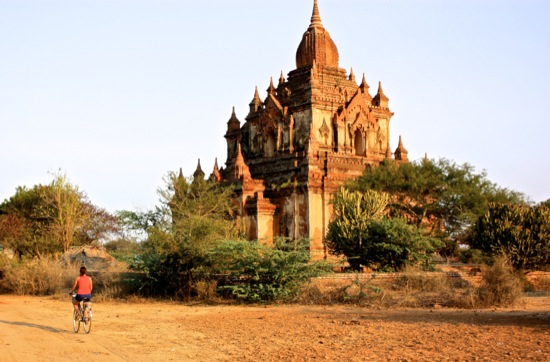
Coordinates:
[364,82]
[315,16]
[256,102]
[281,78]
[198,174]
[271,88]
[380,99]
[215,175]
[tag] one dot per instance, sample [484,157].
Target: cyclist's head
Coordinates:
[82,270]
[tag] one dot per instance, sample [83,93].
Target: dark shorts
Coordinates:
[81,297]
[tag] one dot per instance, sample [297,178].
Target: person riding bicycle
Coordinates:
[85,286]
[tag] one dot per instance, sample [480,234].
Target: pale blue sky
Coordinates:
[117,93]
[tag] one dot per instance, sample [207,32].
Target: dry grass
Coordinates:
[538,281]
[417,289]
[48,276]
[499,286]
[35,277]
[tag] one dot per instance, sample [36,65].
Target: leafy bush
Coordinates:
[392,244]
[521,233]
[256,272]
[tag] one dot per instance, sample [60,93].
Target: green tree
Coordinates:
[22,228]
[439,196]
[520,232]
[195,216]
[50,218]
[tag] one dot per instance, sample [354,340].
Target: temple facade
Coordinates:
[314,130]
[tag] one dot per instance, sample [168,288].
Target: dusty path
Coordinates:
[40,329]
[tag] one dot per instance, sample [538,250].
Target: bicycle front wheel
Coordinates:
[87,320]
[76,321]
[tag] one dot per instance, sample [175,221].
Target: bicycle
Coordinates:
[82,315]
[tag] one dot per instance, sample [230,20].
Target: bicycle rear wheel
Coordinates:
[87,320]
[76,321]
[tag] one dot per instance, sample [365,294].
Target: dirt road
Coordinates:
[40,329]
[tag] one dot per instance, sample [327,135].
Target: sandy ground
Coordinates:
[40,329]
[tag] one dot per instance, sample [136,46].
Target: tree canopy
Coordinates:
[194,217]
[51,218]
[519,232]
[437,195]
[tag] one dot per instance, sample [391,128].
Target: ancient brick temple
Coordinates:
[312,132]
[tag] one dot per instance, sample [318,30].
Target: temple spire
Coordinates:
[364,82]
[281,78]
[215,175]
[271,88]
[233,123]
[315,16]
[198,174]
[256,103]
[401,153]
[380,99]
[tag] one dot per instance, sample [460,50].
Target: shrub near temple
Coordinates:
[360,232]
[257,272]
[521,233]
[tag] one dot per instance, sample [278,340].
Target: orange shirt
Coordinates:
[84,284]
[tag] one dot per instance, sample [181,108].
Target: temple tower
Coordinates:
[310,134]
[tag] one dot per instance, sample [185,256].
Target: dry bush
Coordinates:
[353,290]
[206,291]
[501,285]
[538,281]
[48,276]
[35,277]
[411,289]
[111,282]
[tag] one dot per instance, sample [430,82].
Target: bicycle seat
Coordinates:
[85,299]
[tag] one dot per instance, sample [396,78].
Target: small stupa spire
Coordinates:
[380,99]
[233,123]
[364,83]
[380,90]
[256,102]
[351,75]
[215,175]
[198,174]
[281,78]
[401,153]
[271,88]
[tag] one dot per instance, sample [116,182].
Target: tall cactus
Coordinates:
[353,211]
